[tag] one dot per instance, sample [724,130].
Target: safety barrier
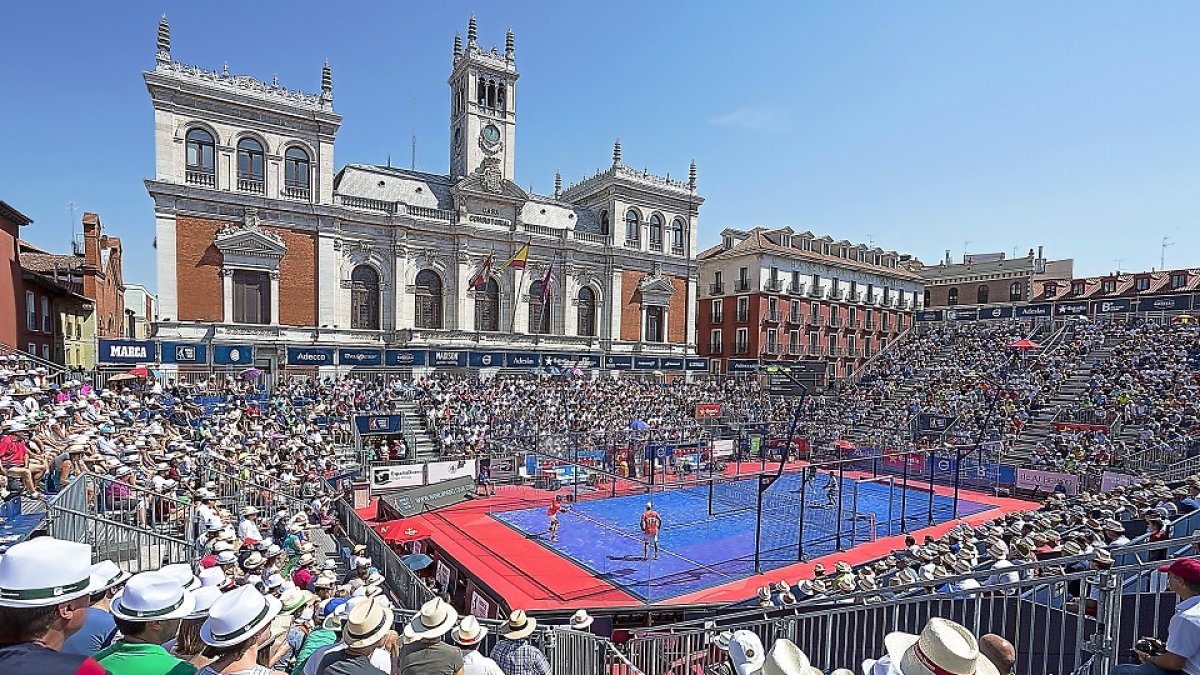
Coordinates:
[409,590]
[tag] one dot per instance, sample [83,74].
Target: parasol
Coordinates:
[122,378]
[638,425]
[1024,344]
[140,371]
[417,561]
[250,373]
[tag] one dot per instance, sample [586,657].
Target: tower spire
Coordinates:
[326,83]
[458,44]
[509,45]
[692,175]
[472,32]
[557,184]
[164,41]
[617,152]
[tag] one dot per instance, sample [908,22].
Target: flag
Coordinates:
[517,261]
[481,276]
[546,283]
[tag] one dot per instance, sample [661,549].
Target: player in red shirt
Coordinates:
[651,524]
[552,513]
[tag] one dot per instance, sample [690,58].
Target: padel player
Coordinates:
[651,523]
[552,514]
[831,492]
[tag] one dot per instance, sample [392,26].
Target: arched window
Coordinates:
[952,296]
[633,227]
[487,307]
[500,100]
[1016,291]
[295,172]
[656,232]
[481,91]
[250,165]
[604,224]
[201,169]
[677,230]
[926,303]
[364,298]
[981,295]
[654,324]
[429,300]
[587,312]
[539,315]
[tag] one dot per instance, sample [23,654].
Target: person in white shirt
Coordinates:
[1182,650]
[1002,569]
[468,635]
[248,527]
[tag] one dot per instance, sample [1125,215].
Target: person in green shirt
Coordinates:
[148,613]
[329,633]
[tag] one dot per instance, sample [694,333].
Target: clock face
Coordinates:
[491,133]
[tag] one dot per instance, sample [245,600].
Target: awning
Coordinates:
[402,531]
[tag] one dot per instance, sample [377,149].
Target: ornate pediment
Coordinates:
[656,289]
[250,241]
[488,180]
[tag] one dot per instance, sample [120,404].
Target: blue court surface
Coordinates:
[699,551]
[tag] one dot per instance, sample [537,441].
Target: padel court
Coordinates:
[699,550]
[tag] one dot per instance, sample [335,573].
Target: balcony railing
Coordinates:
[716,349]
[836,294]
[815,350]
[814,320]
[676,250]
[250,185]
[855,296]
[795,318]
[716,289]
[774,286]
[835,322]
[816,292]
[835,351]
[772,348]
[886,326]
[854,323]
[870,324]
[633,243]
[201,178]
[773,316]
[795,350]
[796,289]
[656,246]
[718,317]
[741,348]
[743,285]
[742,316]
[852,352]
[296,192]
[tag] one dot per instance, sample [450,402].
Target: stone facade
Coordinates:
[260,239]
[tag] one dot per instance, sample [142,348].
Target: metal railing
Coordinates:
[409,590]
[716,288]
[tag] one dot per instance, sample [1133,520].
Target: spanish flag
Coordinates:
[517,261]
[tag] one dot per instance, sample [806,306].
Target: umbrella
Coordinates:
[1184,319]
[417,561]
[122,378]
[576,372]
[400,531]
[250,373]
[638,425]
[140,371]
[1024,344]
[843,445]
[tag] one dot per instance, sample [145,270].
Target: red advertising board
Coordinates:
[708,411]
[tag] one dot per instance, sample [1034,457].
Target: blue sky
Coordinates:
[918,126]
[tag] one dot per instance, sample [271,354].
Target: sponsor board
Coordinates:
[618,362]
[645,363]
[1046,481]
[374,425]
[1166,303]
[1041,309]
[708,411]
[1005,312]
[233,355]
[670,363]
[404,357]
[962,314]
[928,315]
[702,364]
[388,477]
[1071,308]
[418,500]
[447,359]
[185,352]
[309,356]
[485,359]
[437,472]
[127,351]
[360,357]
[1112,306]
[1111,479]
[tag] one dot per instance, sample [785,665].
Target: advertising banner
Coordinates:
[588,361]
[1071,308]
[360,357]
[702,364]
[928,315]
[233,355]
[615,362]
[418,500]
[1111,479]
[723,448]
[1074,426]
[127,351]
[1041,309]
[1004,312]
[309,356]
[1164,303]
[185,353]
[443,574]
[376,425]
[708,411]
[962,314]
[933,423]
[743,366]
[645,363]
[404,357]
[480,606]
[671,363]
[523,360]
[1112,306]
[1046,481]
[387,477]
[503,468]
[437,472]
[447,359]
[485,359]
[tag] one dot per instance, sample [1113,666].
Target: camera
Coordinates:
[1149,645]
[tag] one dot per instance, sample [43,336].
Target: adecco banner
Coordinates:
[127,351]
[1046,481]
[386,477]
[309,356]
[436,472]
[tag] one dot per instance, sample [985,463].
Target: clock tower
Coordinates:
[483,94]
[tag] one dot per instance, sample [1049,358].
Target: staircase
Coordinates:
[55,373]
[421,444]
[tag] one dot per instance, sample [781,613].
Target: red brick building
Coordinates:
[102,279]
[11,294]
[768,295]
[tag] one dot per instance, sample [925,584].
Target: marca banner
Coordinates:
[519,360]
[386,477]
[708,411]
[1112,306]
[418,500]
[1071,308]
[376,425]
[360,357]
[962,314]
[1111,479]
[1005,312]
[485,359]
[309,356]
[618,362]
[185,353]
[233,355]
[1042,309]
[404,357]
[437,472]
[1046,481]
[446,359]
[1165,303]
[127,351]
[702,364]
[929,315]
[1073,426]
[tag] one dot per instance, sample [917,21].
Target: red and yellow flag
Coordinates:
[517,261]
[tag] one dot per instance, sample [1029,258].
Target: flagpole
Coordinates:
[548,296]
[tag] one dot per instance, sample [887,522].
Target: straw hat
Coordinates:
[581,620]
[785,658]
[942,648]
[519,625]
[435,619]
[204,597]
[237,616]
[469,632]
[152,596]
[46,571]
[254,561]
[366,624]
[293,599]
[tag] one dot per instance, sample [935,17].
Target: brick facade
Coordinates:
[102,278]
[12,297]
[631,308]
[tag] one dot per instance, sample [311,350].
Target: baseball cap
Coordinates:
[747,653]
[1187,569]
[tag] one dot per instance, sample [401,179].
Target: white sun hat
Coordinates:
[152,596]
[785,658]
[581,620]
[205,597]
[46,571]
[942,648]
[746,652]
[469,631]
[182,572]
[435,619]
[238,616]
[108,575]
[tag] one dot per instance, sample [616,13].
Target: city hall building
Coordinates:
[268,255]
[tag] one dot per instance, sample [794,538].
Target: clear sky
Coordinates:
[919,126]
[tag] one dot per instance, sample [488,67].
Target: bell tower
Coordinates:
[483,94]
